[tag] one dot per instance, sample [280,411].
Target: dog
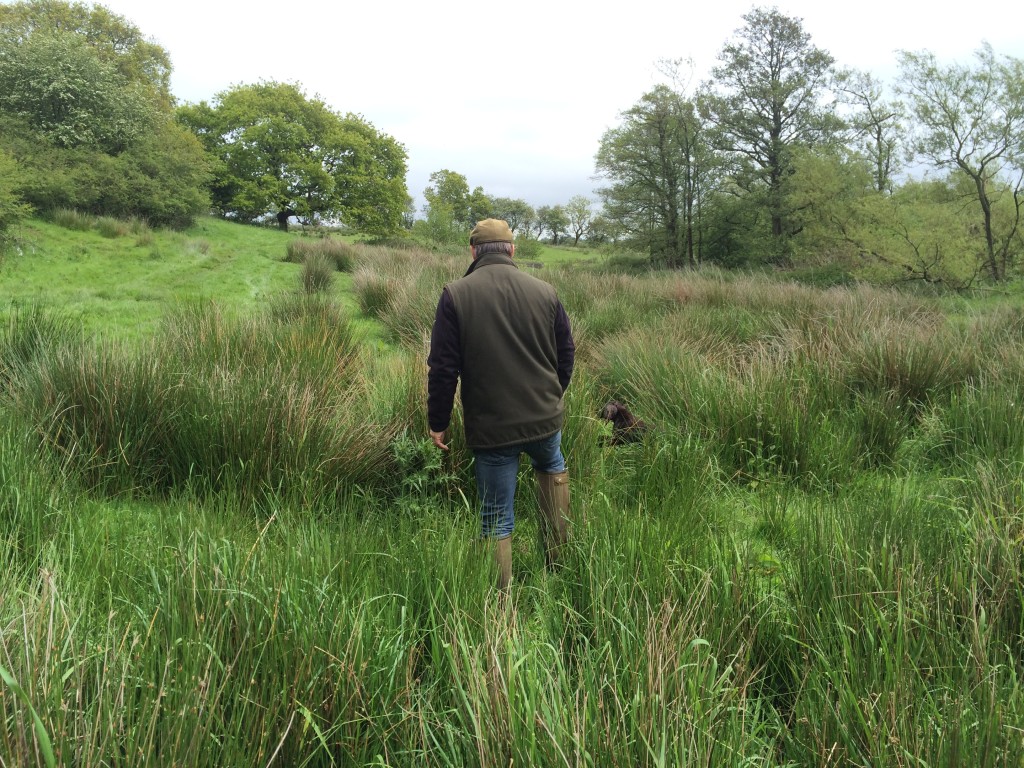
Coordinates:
[626,428]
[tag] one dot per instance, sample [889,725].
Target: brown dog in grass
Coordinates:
[626,428]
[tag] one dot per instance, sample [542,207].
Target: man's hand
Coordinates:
[438,438]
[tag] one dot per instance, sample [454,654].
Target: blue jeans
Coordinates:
[496,473]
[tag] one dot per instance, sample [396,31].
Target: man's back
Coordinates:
[511,391]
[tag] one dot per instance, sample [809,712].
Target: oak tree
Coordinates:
[280,153]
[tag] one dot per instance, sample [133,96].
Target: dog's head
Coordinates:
[612,409]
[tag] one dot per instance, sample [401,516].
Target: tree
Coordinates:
[972,120]
[449,190]
[827,195]
[439,227]
[766,99]
[57,85]
[369,177]
[282,154]
[12,209]
[480,206]
[659,165]
[601,230]
[85,111]
[114,40]
[877,124]
[518,213]
[579,213]
[553,219]
[920,233]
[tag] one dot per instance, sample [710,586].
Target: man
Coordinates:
[506,334]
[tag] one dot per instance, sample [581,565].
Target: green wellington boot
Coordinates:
[503,559]
[553,498]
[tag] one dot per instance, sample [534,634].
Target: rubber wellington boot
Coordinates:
[553,499]
[503,559]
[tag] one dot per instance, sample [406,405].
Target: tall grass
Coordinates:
[317,275]
[256,405]
[813,558]
[401,289]
[339,254]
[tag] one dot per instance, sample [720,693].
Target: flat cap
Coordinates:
[491,231]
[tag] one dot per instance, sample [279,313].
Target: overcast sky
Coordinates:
[515,96]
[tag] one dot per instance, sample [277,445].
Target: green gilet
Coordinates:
[509,378]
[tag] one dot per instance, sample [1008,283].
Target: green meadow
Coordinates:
[224,540]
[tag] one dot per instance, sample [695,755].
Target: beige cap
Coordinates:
[491,231]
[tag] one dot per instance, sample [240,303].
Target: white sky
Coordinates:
[516,96]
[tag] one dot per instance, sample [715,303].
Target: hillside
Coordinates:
[123,282]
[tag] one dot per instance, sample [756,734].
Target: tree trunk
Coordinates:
[282,218]
[990,246]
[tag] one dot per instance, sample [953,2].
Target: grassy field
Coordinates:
[226,542]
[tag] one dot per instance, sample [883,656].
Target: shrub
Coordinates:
[69,218]
[528,247]
[338,253]
[110,227]
[317,274]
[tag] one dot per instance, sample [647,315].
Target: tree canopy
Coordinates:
[971,120]
[280,153]
[656,162]
[766,98]
[85,113]
[113,39]
[58,86]
[516,211]
[449,191]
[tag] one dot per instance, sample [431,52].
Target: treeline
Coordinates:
[784,158]
[781,158]
[452,208]
[88,122]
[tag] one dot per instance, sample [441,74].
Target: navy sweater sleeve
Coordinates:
[444,363]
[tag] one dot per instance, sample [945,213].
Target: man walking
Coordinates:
[506,334]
